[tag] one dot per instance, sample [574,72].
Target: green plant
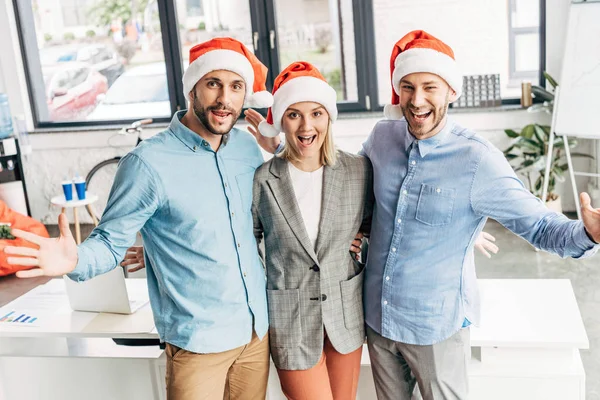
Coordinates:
[5,232]
[47,37]
[529,151]
[202,26]
[68,36]
[90,33]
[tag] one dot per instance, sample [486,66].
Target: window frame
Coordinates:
[263,23]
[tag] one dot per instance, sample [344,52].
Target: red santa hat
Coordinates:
[419,51]
[230,55]
[299,82]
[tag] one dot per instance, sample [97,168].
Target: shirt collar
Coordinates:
[188,137]
[426,146]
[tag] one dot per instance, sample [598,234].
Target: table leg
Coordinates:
[92,213]
[77,228]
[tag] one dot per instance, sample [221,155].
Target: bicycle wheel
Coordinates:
[99,182]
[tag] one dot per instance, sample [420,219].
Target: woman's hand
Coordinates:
[253,118]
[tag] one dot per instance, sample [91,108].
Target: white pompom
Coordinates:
[262,99]
[267,129]
[393,111]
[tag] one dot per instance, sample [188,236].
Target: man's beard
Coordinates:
[202,115]
[438,115]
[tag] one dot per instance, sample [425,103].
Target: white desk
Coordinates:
[69,355]
[527,348]
[528,344]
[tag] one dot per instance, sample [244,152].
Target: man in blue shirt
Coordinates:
[435,185]
[189,191]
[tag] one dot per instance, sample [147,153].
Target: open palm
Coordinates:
[55,256]
[269,144]
[590,217]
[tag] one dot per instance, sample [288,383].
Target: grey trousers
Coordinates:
[440,370]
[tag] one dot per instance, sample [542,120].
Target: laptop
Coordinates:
[106,293]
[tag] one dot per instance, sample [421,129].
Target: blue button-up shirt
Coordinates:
[433,198]
[193,207]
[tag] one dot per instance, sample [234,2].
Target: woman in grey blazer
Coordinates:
[308,204]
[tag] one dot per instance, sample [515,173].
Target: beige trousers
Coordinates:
[238,374]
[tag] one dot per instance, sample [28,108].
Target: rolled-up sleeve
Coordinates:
[498,193]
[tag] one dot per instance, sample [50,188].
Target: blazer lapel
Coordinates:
[283,192]
[332,188]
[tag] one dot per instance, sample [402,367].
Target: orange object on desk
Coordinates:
[19,221]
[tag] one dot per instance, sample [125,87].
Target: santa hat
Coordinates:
[418,51]
[231,55]
[299,82]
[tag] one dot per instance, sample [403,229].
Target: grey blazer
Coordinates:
[311,290]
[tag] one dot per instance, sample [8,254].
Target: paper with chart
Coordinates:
[579,98]
[45,306]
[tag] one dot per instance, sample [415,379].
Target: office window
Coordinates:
[220,18]
[135,57]
[322,33]
[524,44]
[194,8]
[78,71]
[479,31]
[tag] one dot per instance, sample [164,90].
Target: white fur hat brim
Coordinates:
[297,90]
[228,60]
[427,60]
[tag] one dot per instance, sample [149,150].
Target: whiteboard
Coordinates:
[578,103]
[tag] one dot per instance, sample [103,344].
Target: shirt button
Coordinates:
[204,144]
[244,274]
[195,148]
[405,192]
[414,163]
[232,214]
[385,302]
[438,190]
[394,249]
[387,278]
[399,220]
[225,185]
[239,245]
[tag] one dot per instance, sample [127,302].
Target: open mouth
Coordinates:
[420,116]
[220,115]
[307,140]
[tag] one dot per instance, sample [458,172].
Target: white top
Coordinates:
[61,202]
[308,188]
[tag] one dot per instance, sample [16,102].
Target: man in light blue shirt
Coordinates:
[189,191]
[435,185]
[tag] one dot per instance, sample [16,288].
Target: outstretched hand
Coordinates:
[254,118]
[590,217]
[54,257]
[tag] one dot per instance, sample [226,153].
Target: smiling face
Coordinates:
[217,100]
[424,100]
[305,126]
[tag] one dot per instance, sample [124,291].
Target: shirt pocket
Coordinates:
[244,183]
[435,205]
[284,317]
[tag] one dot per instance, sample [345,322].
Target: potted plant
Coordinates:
[527,153]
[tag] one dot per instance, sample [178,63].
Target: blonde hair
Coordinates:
[328,150]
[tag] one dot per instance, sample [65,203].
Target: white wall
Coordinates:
[58,154]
